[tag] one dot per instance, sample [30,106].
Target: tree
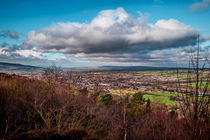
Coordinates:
[53,74]
[193,94]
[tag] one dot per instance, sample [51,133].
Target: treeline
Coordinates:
[49,109]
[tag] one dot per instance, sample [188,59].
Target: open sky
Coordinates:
[81,33]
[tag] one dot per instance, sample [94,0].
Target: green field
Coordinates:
[160,97]
[156,97]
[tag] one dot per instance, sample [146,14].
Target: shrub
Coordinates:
[136,105]
[105,99]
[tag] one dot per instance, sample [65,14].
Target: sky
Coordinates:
[86,33]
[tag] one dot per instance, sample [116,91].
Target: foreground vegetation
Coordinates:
[48,109]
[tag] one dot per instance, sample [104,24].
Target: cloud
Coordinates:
[205,38]
[12,48]
[166,57]
[205,4]
[32,57]
[29,57]
[10,34]
[4,44]
[114,37]
[112,32]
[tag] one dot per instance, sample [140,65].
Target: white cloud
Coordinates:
[28,53]
[112,31]
[116,37]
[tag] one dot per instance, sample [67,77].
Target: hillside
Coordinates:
[18,68]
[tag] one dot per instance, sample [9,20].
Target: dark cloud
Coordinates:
[10,34]
[166,57]
[205,4]
[4,44]
[13,35]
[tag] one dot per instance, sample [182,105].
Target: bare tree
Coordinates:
[125,106]
[53,74]
[193,95]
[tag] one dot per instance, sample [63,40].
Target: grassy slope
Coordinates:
[160,97]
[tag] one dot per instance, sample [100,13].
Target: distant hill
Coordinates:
[119,68]
[13,67]
[136,68]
